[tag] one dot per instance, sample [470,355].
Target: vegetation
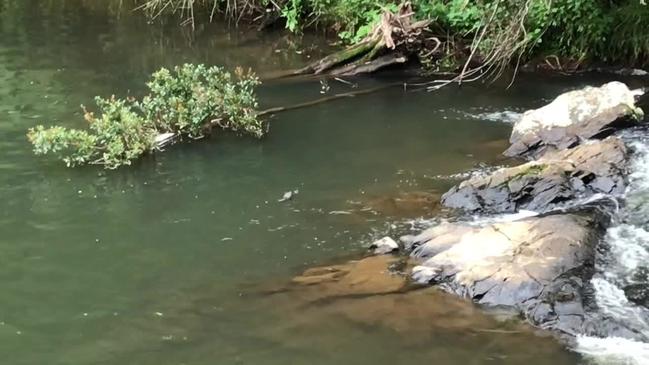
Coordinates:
[597,30]
[189,101]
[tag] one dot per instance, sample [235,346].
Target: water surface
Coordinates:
[158,263]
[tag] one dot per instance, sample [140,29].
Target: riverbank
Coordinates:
[560,36]
[563,37]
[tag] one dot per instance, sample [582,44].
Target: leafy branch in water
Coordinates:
[189,101]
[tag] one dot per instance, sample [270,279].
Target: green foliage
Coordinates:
[189,101]
[596,29]
[354,19]
[291,12]
[609,30]
[116,137]
[629,38]
[73,146]
[576,28]
[357,18]
[461,16]
[192,98]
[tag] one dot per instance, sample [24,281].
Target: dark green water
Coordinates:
[158,263]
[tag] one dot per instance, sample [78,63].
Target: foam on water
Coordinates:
[626,252]
[613,351]
[506,116]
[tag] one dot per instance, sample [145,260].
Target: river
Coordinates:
[161,262]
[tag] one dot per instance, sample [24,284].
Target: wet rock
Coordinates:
[384,246]
[573,117]
[539,266]
[638,293]
[591,168]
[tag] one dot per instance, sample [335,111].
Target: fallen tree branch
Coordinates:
[325,99]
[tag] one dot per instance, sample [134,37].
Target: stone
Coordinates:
[368,276]
[572,118]
[596,167]
[638,293]
[538,266]
[401,204]
[384,246]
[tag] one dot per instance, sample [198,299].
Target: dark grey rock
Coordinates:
[580,172]
[638,293]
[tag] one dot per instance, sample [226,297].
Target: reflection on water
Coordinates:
[156,264]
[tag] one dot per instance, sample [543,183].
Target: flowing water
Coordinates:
[623,265]
[161,262]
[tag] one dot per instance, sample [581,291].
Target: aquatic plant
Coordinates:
[189,101]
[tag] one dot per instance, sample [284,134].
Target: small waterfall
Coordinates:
[623,261]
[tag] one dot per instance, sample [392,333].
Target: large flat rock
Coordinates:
[573,117]
[539,266]
[588,169]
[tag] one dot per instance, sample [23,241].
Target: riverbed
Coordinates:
[163,262]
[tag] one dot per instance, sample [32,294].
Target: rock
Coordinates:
[539,266]
[588,169]
[369,276]
[573,117]
[288,196]
[438,239]
[384,246]
[638,293]
[404,204]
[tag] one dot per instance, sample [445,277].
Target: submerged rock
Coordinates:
[375,294]
[591,168]
[404,204]
[369,276]
[573,117]
[539,266]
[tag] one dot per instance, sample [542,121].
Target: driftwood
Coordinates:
[325,99]
[393,41]
[338,58]
[371,66]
